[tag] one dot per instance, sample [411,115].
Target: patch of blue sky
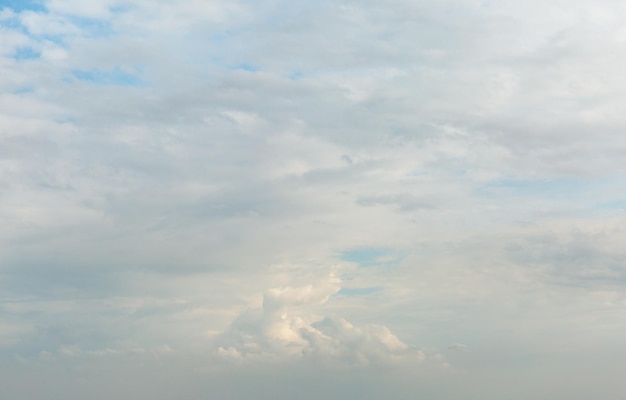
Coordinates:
[26,53]
[120,8]
[363,291]
[92,27]
[23,5]
[13,23]
[56,39]
[371,256]
[23,90]
[245,67]
[296,75]
[115,77]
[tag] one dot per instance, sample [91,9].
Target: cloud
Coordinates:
[162,163]
[282,330]
[460,347]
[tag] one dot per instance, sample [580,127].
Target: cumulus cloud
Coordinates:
[282,330]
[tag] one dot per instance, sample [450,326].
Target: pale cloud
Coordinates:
[44,24]
[282,330]
[182,184]
[98,9]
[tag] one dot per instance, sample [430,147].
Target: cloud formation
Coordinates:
[459,164]
[281,329]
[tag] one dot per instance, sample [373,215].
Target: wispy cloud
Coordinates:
[178,180]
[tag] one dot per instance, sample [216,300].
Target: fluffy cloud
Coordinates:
[282,330]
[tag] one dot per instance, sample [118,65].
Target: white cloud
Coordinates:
[481,141]
[45,24]
[282,329]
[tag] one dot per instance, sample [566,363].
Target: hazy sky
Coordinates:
[355,199]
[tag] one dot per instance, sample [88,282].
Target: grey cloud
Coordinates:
[578,259]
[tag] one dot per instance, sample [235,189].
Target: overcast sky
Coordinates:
[312,199]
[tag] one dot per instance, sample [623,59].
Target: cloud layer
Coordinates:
[422,197]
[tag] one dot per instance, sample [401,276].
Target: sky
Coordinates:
[269,199]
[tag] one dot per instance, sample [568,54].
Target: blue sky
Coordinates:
[23,5]
[112,77]
[370,256]
[396,199]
